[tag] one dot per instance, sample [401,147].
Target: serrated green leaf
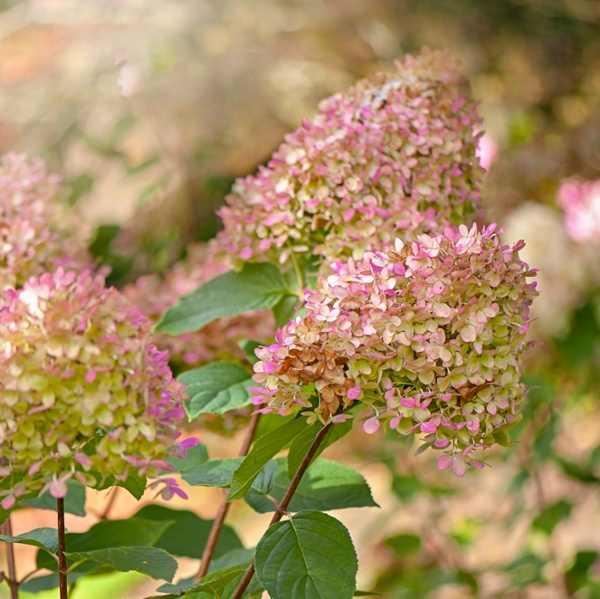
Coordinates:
[326,485]
[44,538]
[309,556]
[152,561]
[264,449]
[255,287]
[74,501]
[187,533]
[216,388]
[302,443]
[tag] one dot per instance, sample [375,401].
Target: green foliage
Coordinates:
[216,388]
[255,287]
[311,555]
[547,520]
[74,501]
[264,449]
[187,533]
[327,485]
[302,442]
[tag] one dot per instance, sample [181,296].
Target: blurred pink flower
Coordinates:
[581,202]
[36,233]
[487,150]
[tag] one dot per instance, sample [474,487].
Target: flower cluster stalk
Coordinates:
[13,584]
[62,547]
[281,508]
[217,526]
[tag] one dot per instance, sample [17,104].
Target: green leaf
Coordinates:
[302,442]
[187,533]
[74,500]
[309,556]
[249,346]
[404,545]
[44,538]
[264,449]
[326,485]
[110,534]
[285,310]
[194,456]
[255,287]
[152,561]
[547,520]
[577,575]
[220,584]
[213,473]
[216,388]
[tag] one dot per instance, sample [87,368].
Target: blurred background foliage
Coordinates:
[150,108]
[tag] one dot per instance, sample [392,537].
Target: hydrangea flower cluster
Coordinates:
[153,295]
[392,156]
[83,394]
[429,336]
[36,234]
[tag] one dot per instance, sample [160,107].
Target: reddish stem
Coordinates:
[13,584]
[283,504]
[62,546]
[219,520]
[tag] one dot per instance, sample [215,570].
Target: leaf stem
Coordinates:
[283,504]
[219,520]
[11,563]
[62,546]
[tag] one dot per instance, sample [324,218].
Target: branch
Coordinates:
[283,504]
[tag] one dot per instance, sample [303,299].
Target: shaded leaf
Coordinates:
[44,538]
[187,534]
[152,561]
[302,443]
[74,500]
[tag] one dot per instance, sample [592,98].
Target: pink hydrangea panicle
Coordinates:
[581,202]
[219,339]
[83,393]
[442,364]
[395,155]
[36,233]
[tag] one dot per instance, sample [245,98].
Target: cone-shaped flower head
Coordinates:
[82,392]
[392,156]
[36,233]
[429,336]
